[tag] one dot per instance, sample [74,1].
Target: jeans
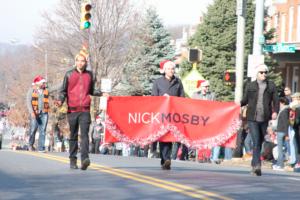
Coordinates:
[215,153]
[153,150]
[153,147]
[76,120]
[165,151]
[248,144]
[293,146]
[40,123]
[97,145]
[175,149]
[184,151]
[228,153]
[257,132]
[280,138]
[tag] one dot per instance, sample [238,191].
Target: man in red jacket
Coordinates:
[78,85]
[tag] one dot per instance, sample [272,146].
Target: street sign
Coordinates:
[190,82]
[280,48]
[106,85]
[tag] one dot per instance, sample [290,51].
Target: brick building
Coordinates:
[285,18]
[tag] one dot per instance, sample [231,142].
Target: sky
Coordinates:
[20,18]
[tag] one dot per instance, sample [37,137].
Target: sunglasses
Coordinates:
[263,72]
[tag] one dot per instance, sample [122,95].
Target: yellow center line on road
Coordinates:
[179,188]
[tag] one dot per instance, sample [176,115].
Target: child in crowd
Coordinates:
[281,127]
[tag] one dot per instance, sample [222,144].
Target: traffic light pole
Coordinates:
[240,46]
[258,27]
[257,57]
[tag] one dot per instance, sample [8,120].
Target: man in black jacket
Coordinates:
[167,85]
[263,104]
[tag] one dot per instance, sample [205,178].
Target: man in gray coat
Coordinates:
[206,94]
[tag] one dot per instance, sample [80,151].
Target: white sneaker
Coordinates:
[277,168]
[297,165]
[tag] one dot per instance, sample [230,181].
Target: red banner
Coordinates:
[196,123]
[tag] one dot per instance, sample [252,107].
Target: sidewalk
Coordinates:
[242,162]
[245,163]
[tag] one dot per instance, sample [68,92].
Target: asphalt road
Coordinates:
[30,175]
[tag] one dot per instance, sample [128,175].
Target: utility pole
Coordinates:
[240,47]
[257,57]
[43,50]
[259,27]
[46,65]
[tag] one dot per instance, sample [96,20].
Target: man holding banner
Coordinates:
[167,85]
[78,85]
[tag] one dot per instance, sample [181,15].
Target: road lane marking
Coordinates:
[179,188]
[294,179]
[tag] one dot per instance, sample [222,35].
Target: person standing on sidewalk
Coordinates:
[263,104]
[38,106]
[281,126]
[167,85]
[97,131]
[78,85]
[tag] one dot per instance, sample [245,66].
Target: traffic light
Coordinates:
[85,20]
[195,55]
[229,77]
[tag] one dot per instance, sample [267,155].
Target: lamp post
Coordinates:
[45,59]
[240,49]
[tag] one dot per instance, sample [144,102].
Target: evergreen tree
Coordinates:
[152,47]
[217,39]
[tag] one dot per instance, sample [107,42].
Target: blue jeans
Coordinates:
[280,140]
[165,150]
[184,151]
[257,132]
[228,153]
[175,148]
[40,122]
[248,143]
[293,146]
[215,153]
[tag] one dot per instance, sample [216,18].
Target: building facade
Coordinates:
[285,19]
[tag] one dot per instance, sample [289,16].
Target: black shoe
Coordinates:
[31,148]
[217,162]
[85,163]
[73,164]
[256,171]
[166,165]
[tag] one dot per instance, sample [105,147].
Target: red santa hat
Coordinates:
[163,64]
[38,80]
[199,82]
[205,83]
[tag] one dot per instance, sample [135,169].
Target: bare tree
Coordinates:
[18,67]
[114,25]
